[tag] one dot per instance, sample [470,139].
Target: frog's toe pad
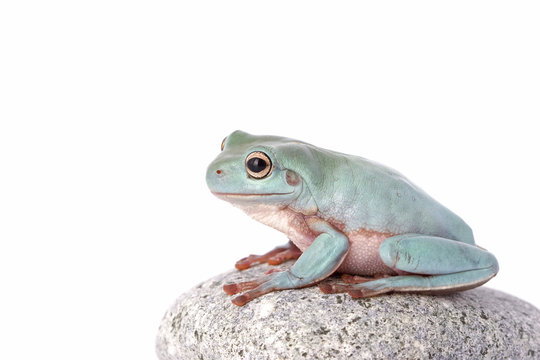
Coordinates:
[355,294]
[230,289]
[240,300]
[326,288]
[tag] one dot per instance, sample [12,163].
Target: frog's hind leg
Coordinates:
[433,265]
[273,257]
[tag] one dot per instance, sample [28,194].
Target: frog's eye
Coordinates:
[258,165]
[223,144]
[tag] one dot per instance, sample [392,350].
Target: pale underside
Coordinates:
[363,255]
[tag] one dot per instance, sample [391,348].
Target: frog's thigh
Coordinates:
[431,255]
[436,265]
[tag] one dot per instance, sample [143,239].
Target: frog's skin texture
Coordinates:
[344,214]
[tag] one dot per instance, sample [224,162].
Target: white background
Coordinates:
[110,112]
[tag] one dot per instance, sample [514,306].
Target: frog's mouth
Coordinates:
[246,195]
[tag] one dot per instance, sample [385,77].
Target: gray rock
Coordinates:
[306,324]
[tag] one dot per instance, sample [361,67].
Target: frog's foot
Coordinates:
[354,289]
[357,279]
[346,284]
[433,265]
[319,261]
[334,286]
[273,257]
[235,288]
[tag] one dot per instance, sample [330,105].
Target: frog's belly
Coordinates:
[363,256]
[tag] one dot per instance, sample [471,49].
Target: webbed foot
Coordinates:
[235,288]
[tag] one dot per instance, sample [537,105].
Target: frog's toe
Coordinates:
[246,262]
[291,253]
[360,291]
[235,288]
[326,287]
[355,279]
[334,286]
[354,286]
[345,284]
[243,299]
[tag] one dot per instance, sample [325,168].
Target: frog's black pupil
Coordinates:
[256,164]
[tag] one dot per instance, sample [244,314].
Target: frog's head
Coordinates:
[254,170]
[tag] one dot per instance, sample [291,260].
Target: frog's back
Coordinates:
[363,195]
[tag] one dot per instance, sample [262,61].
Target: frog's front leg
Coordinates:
[317,262]
[435,265]
[273,257]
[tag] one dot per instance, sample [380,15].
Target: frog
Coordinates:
[354,226]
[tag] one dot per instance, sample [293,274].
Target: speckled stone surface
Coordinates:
[306,324]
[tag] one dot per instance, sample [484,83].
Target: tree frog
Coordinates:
[343,214]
